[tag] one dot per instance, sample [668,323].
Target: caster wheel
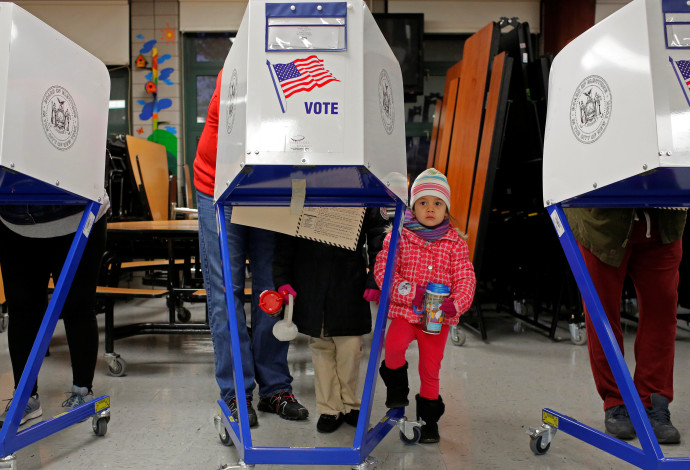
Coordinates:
[183,314]
[225,438]
[457,336]
[4,322]
[118,367]
[518,327]
[535,443]
[580,338]
[100,426]
[415,439]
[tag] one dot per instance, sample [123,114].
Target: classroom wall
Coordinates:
[155,24]
[77,19]
[440,16]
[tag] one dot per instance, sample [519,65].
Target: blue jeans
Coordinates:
[264,358]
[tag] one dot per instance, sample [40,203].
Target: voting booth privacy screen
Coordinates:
[311,91]
[53,110]
[618,119]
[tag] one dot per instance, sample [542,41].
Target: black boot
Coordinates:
[430,411]
[396,385]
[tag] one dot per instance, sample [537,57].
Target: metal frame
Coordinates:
[365,439]
[10,439]
[649,456]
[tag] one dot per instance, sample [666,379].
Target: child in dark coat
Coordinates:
[332,290]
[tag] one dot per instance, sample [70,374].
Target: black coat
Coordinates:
[330,281]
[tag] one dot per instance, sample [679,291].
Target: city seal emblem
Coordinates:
[590,109]
[59,117]
[232,102]
[386,102]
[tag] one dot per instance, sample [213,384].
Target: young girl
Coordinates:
[430,250]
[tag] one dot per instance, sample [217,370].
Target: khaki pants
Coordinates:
[336,369]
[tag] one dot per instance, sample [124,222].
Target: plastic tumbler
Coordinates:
[432,315]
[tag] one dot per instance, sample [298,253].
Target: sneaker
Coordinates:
[352,417]
[285,405]
[329,423]
[78,396]
[32,410]
[251,412]
[618,423]
[660,418]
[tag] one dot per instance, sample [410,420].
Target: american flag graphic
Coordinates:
[302,75]
[682,68]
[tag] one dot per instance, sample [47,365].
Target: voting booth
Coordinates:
[53,121]
[618,135]
[311,115]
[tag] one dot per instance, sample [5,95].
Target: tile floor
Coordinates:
[162,410]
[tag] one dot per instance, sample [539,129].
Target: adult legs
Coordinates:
[269,354]
[209,251]
[78,314]
[608,281]
[653,268]
[25,272]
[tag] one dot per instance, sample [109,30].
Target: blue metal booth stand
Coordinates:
[311,114]
[616,136]
[365,439]
[20,189]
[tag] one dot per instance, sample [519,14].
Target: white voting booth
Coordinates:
[53,120]
[618,135]
[311,114]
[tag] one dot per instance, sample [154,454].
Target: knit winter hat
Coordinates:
[430,182]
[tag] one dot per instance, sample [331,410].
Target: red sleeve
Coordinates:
[205,161]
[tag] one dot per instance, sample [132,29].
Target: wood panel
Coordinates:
[149,161]
[445,126]
[438,109]
[478,52]
[489,153]
[564,21]
[444,131]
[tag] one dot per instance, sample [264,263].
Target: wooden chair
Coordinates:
[149,163]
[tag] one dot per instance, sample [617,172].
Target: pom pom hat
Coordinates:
[430,182]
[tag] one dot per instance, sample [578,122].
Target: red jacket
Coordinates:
[419,262]
[205,161]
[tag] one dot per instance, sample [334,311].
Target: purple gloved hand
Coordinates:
[449,310]
[285,290]
[418,300]
[372,295]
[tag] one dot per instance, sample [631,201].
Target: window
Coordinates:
[118,110]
